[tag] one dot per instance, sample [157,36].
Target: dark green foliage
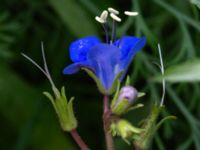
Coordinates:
[28,121]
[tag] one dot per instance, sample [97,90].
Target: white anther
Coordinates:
[112,10]
[100,20]
[130,13]
[104,15]
[114,17]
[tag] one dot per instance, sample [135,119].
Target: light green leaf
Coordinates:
[74,17]
[196,2]
[185,72]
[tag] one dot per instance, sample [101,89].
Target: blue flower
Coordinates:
[106,61]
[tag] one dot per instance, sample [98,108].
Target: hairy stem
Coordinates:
[78,140]
[107,121]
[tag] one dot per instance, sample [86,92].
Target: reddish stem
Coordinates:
[107,122]
[78,140]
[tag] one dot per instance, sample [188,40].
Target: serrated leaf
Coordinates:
[185,72]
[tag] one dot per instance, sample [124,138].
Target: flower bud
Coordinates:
[126,97]
[129,93]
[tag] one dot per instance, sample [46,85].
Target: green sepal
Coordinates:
[115,83]
[141,94]
[121,107]
[114,100]
[140,105]
[128,81]
[50,97]
[63,108]
[96,80]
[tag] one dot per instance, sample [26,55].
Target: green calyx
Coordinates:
[150,126]
[99,84]
[123,106]
[125,129]
[63,108]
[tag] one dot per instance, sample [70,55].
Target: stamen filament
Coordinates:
[113,31]
[105,27]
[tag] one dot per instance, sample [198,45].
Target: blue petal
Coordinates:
[129,44]
[127,59]
[105,60]
[74,68]
[79,48]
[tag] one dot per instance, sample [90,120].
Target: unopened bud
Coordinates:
[126,98]
[129,93]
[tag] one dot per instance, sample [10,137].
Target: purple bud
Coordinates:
[129,93]
[126,98]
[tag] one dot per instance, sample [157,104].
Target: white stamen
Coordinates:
[130,13]
[104,15]
[112,10]
[100,20]
[114,17]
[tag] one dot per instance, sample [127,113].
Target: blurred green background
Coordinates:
[27,119]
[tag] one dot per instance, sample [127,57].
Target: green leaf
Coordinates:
[98,82]
[185,72]
[196,2]
[74,17]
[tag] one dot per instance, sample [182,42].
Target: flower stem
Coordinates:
[106,122]
[78,140]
